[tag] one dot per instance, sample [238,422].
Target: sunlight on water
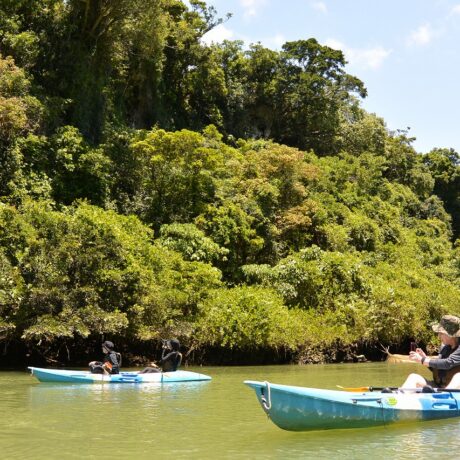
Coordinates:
[201,420]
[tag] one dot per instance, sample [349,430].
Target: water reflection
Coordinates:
[113,388]
[412,441]
[145,396]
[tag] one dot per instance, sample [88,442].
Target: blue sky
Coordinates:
[407,53]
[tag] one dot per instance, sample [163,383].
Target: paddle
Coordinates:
[361,389]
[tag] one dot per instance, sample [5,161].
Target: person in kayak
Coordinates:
[171,358]
[111,363]
[446,367]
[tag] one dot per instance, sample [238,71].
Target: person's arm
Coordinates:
[167,357]
[453,360]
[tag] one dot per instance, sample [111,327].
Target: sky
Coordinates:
[406,52]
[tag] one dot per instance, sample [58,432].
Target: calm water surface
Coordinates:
[218,419]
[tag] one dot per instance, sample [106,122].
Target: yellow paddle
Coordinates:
[360,389]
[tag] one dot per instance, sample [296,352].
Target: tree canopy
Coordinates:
[238,198]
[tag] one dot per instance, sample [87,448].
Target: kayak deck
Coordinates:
[72,376]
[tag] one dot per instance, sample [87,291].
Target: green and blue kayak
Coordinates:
[303,409]
[70,376]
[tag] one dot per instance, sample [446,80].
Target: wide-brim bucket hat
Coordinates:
[449,325]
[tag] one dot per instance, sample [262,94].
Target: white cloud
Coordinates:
[251,7]
[277,41]
[455,9]
[371,58]
[335,44]
[422,36]
[364,58]
[217,35]
[319,6]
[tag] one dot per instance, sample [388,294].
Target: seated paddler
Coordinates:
[446,366]
[110,364]
[171,358]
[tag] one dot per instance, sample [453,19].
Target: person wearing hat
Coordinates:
[171,358]
[111,363]
[446,367]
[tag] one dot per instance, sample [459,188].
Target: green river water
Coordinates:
[220,419]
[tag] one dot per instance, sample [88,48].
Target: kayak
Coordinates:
[295,408]
[58,375]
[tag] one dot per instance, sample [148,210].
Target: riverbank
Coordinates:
[135,356]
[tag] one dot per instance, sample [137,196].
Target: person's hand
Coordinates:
[421,352]
[416,356]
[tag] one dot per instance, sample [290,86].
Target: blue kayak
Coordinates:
[58,375]
[303,409]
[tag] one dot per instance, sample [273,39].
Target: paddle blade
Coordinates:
[355,390]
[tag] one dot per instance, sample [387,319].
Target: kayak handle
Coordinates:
[357,400]
[266,401]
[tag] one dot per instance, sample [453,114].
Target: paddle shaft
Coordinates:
[360,389]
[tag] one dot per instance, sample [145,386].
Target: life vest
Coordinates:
[112,362]
[443,377]
[171,362]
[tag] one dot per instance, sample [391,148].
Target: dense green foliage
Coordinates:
[239,199]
